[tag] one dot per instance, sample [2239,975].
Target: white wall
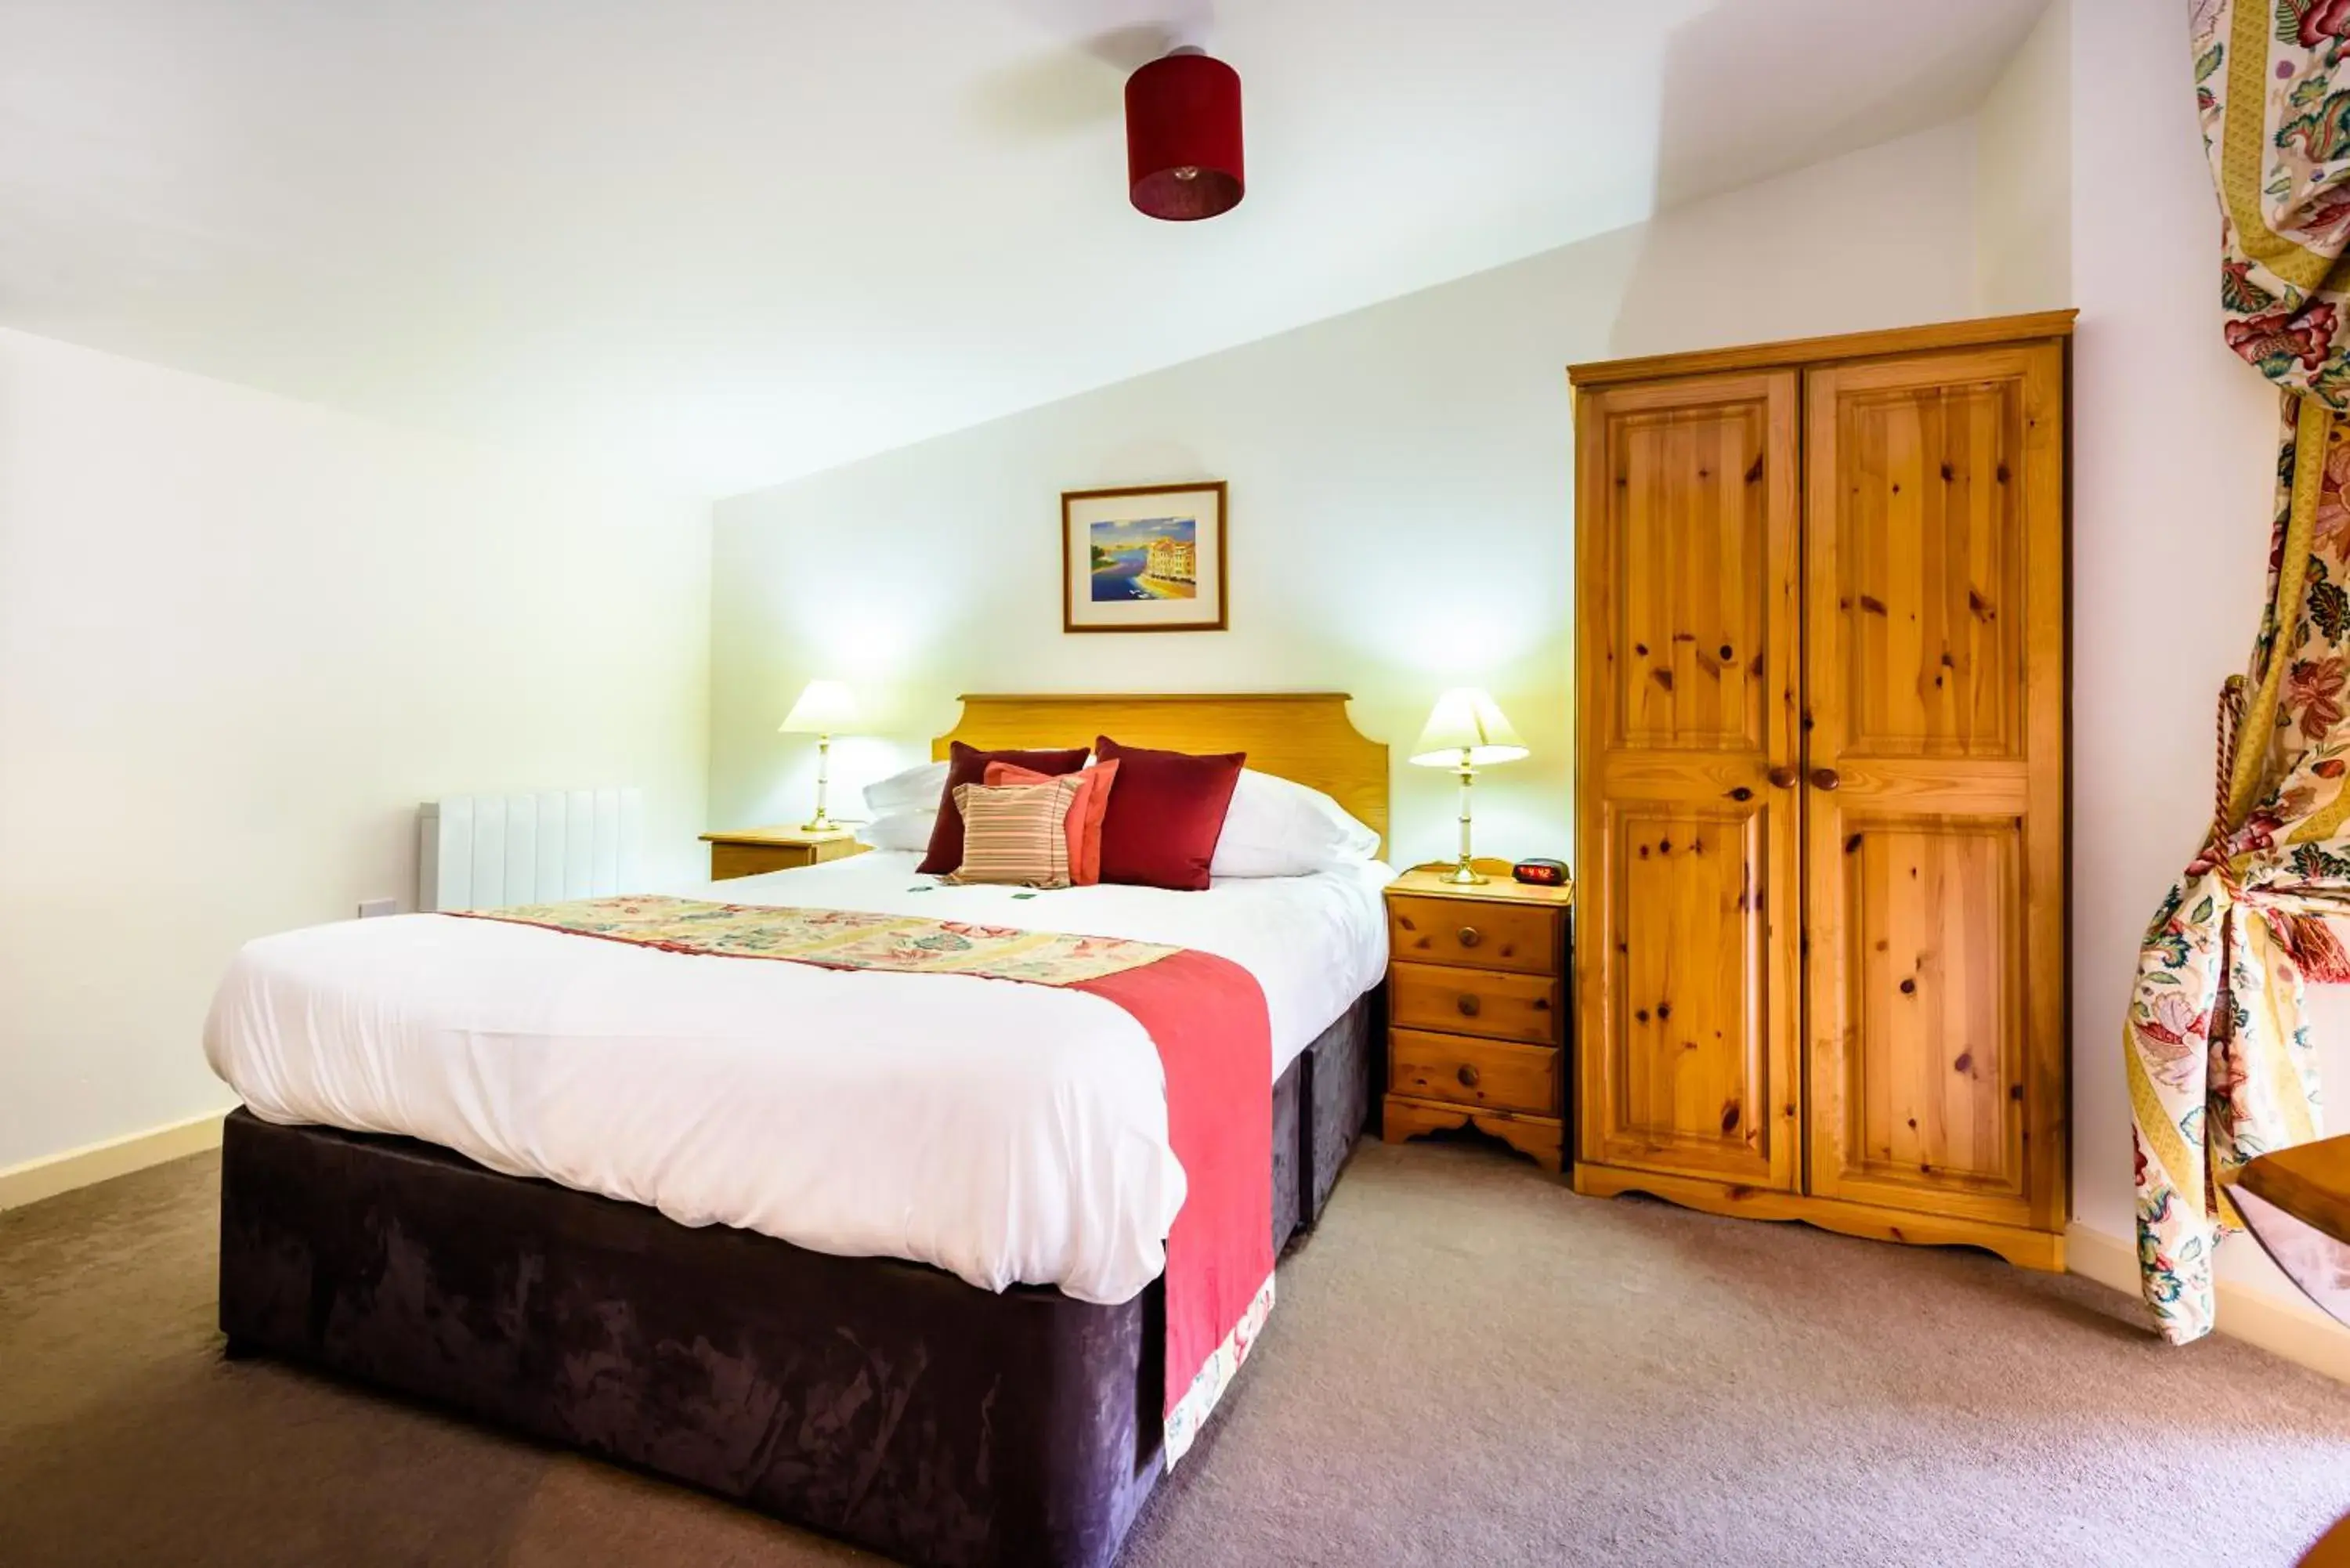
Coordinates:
[239,638]
[2174,452]
[1400,509]
[2023,175]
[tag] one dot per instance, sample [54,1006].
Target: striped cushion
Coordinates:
[1015,833]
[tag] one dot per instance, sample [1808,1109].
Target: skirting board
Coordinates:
[2295,1331]
[46,1176]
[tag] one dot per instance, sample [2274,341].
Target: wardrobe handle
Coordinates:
[1468,1077]
[1824,778]
[1782,778]
[1470,1006]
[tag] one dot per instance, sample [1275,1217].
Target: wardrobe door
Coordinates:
[1934,782]
[1687,494]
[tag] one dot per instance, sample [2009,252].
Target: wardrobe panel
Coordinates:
[1690,592]
[1688,1051]
[1933,783]
[1932,1092]
[1688,603]
[1933,548]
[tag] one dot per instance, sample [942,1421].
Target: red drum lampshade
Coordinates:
[1184,138]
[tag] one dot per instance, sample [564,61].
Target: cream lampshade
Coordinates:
[1465,733]
[826,709]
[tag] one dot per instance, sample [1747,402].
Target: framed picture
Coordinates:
[1147,558]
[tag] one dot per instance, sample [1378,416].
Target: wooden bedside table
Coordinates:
[747,851]
[1477,1009]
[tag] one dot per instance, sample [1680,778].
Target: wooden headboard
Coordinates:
[1303,736]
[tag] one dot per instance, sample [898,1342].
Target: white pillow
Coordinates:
[900,830]
[916,789]
[1276,827]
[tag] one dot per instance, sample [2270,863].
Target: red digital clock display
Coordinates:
[1540,873]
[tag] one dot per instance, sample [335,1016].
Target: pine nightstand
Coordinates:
[748,851]
[1477,1009]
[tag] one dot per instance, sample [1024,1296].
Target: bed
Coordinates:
[545,1180]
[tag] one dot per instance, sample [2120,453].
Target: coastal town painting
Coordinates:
[1145,558]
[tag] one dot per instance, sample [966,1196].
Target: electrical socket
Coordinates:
[371,908]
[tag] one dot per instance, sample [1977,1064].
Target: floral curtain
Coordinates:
[2220,1068]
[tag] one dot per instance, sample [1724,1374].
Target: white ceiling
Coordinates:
[734,241]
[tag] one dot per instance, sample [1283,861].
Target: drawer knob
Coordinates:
[1468,1077]
[1470,1006]
[1470,936]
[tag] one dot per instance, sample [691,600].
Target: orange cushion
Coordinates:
[1086,812]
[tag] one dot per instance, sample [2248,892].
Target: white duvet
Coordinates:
[1009,1133]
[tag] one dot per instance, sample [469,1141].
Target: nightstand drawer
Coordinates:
[1474,1002]
[1486,1073]
[1479,933]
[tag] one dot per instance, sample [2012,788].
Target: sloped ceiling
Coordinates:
[735,241]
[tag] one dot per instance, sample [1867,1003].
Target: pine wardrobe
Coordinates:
[1821,649]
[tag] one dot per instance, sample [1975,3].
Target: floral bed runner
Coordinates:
[1205,1015]
[840,939]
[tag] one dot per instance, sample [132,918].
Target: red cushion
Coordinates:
[968,765]
[1165,815]
[1085,818]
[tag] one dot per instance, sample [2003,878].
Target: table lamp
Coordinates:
[825,709]
[1466,733]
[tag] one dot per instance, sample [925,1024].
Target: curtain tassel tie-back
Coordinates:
[2314,948]
[2317,949]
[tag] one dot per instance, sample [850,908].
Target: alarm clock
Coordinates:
[1540,873]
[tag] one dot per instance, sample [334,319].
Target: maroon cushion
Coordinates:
[968,765]
[1165,815]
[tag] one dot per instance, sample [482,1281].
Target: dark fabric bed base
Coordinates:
[1344,1068]
[884,1402]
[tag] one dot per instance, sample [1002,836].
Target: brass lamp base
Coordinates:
[822,823]
[1465,874]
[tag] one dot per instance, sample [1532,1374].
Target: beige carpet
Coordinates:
[1469,1365]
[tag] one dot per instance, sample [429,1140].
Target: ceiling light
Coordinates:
[1183,137]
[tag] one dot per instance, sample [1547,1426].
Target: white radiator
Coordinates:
[486,851]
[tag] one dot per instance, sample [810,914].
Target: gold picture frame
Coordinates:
[1144,558]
